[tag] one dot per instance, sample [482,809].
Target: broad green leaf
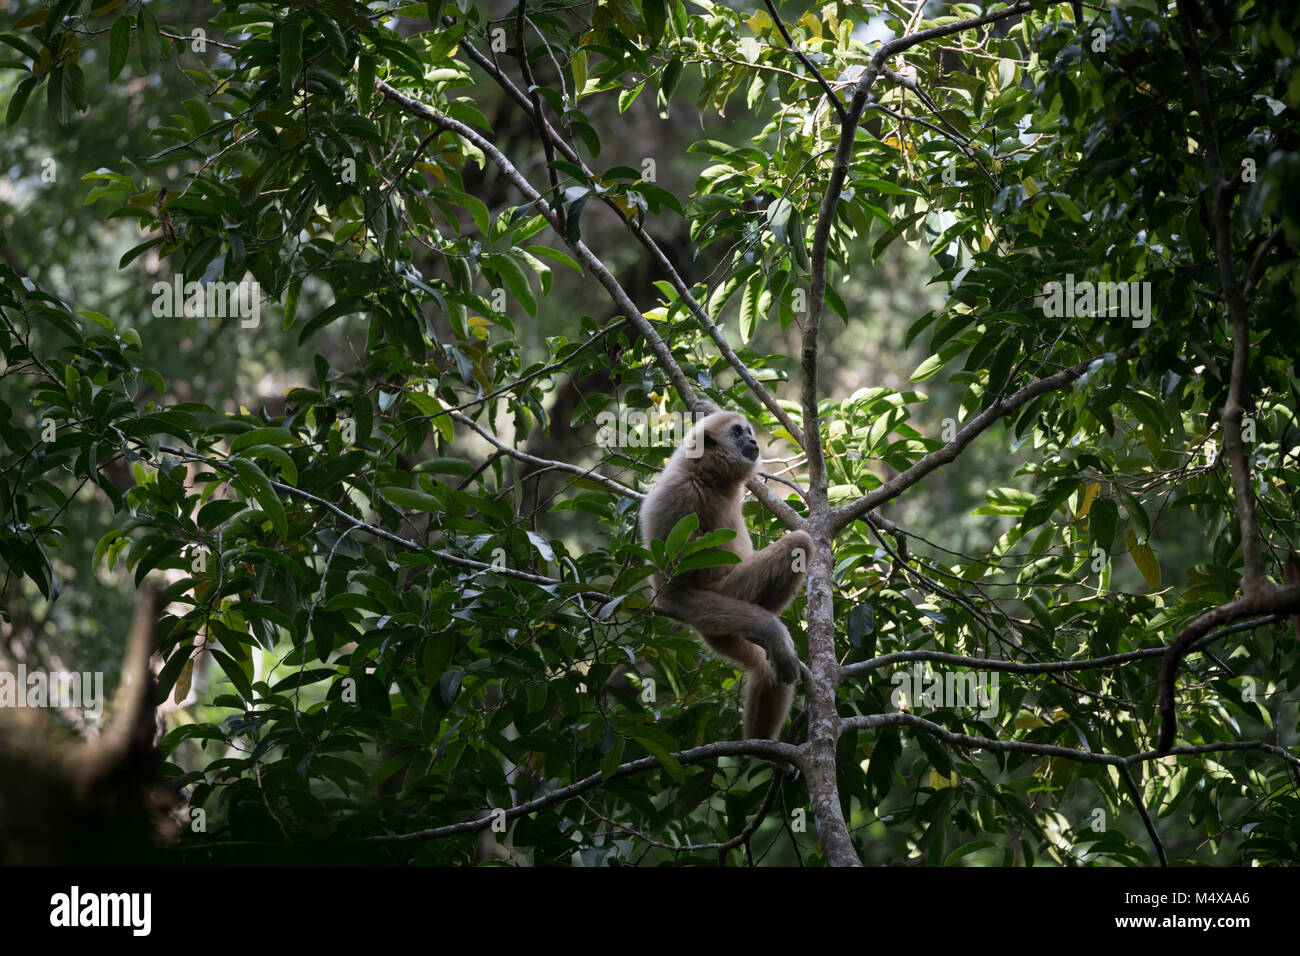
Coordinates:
[1102,520]
[270,435]
[288,469]
[148,39]
[681,532]
[19,99]
[1144,558]
[412,499]
[259,486]
[119,44]
[290,56]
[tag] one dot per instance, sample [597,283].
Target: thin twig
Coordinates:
[831,96]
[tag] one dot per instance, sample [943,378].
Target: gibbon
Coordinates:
[733,607]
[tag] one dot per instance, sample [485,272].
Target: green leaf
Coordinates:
[291,297]
[278,455]
[130,255]
[290,56]
[680,534]
[412,499]
[656,20]
[573,223]
[1136,513]
[798,251]
[671,77]
[711,558]
[928,368]
[1144,558]
[365,82]
[967,849]
[303,678]
[259,486]
[722,295]
[445,466]
[19,99]
[449,686]
[628,96]
[119,44]
[57,99]
[542,545]
[340,308]
[862,625]
[749,306]
[101,548]
[778,218]
[149,40]
[557,255]
[21,45]
[579,66]
[1102,519]
[610,762]
[513,275]
[660,753]
[1045,505]
[215,512]
[261,436]
[476,207]
[710,540]
[235,672]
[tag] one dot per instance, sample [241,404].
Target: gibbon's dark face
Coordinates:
[730,436]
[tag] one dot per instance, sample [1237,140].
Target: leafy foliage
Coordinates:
[400,645]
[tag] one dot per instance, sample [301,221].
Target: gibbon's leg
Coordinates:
[721,619]
[769,578]
[721,622]
[767,699]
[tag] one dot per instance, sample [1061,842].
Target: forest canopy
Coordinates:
[342,340]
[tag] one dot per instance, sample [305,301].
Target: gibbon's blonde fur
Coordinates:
[733,607]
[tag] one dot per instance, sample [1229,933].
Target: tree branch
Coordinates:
[846,514]
[663,355]
[823,723]
[584,254]
[966,742]
[725,748]
[1126,774]
[539,118]
[1257,264]
[1238,312]
[648,243]
[1044,667]
[831,97]
[1274,601]
[722,847]
[382,533]
[589,473]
